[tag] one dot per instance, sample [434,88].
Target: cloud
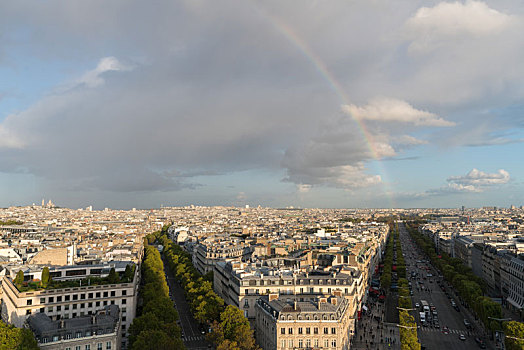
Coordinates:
[94,78]
[394,110]
[479,178]
[431,27]
[475,181]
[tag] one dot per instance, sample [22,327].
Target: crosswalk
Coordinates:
[193,338]
[451,331]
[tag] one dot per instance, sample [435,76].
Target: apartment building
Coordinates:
[512,281]
[208,252]
[323,323]
[242,284]
[100,331]
[73,302]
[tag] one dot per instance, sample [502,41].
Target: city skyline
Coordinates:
[308,104]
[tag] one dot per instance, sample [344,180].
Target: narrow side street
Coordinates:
[192,335]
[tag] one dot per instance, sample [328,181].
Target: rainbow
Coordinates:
[334,85]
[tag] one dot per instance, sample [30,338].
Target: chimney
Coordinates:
[334,301]
[273,296]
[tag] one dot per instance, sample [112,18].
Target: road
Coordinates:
[426,288]
[191,333]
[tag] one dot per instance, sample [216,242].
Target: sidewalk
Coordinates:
[374,334]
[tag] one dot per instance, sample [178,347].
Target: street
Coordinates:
[443,327]
[191,332]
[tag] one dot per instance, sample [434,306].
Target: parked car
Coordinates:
[462,337]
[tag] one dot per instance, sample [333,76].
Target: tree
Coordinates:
[156,340]
[129,272]
[514,332]
[113,276]
[16,338]
[19,277]
[235,328]
[46,278]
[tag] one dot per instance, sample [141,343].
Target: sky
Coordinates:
[304,103]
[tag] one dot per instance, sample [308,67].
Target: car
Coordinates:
[445,330]
[417,305]
[462,337]
[467,324]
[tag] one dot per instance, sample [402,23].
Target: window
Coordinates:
[106,294]
[282,330]
[67,297]
[67,348]
[83,305]
[290,331]
[75,296]
[51,300]
[75,306]
[124,301]
[75,272]
[326,343]
[78,334]
[290,343]
[98,294]
[82,296]
[89,304]
[55,337]
[42,309]
[66,307]
[315,330]
[308,330]
[108,345]
[28,312]
[59,308]
[59,299]
[97,303]
[326,330]
[88,347]
[50,309]
[113,293]
[316,343]
[300,343]
[44,340]
[333,330]
[308,343]
[299,330]
[105,302]
[77,347]
[90,296]
[123,318]
[334,343]
[283,344]
[99,346]
[124,292]
[29,302]
[42,300]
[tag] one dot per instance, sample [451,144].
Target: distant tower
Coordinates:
[43,202]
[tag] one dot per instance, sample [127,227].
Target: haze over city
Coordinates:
[274,103]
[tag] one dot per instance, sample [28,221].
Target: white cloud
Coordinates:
[475,181]
[432,26]
[94,78]
[8,139]
[480,179]
[394,110]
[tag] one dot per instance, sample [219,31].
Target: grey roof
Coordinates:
[103,321]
